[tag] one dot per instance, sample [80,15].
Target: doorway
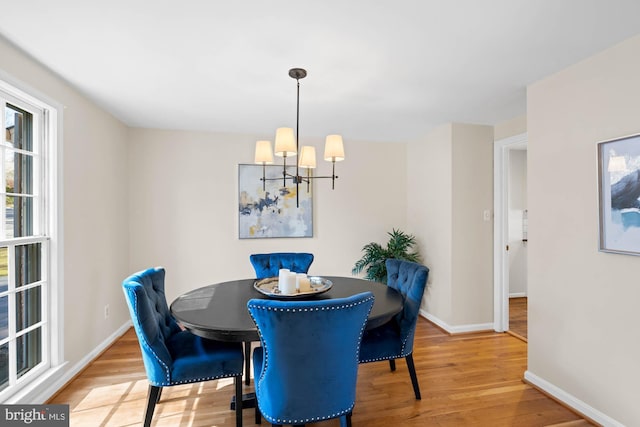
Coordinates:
[510,235]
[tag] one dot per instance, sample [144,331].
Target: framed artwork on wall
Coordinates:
[272,212]
[619,193]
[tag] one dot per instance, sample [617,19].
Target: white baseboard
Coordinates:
[458,329]
[44,390]
[571,401]
[517,294]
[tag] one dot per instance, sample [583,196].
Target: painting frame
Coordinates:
[272,212]
[619,195]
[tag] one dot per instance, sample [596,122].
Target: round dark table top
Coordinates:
[220,312]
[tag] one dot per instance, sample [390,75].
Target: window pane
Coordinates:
[29,348]
[28,264]
[18,172]
[4,317]
[18,125]
[24,330]
[4,270]
[18,216]
[4,366]
[28,308]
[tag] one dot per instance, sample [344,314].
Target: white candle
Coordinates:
[282,274]
[287,283]
[302,283]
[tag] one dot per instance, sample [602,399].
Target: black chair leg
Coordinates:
[153,397]
[414,377]
[159,394]
[392,364]
[345,421]
[258,414]
[238,383]
[247,362]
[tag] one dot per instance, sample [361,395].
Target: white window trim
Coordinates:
[40,389]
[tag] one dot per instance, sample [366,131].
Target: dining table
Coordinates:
[219,311]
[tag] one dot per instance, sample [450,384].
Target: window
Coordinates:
[26,311]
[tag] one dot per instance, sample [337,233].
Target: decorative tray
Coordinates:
[269,287]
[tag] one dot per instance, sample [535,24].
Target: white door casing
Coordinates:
[500,228]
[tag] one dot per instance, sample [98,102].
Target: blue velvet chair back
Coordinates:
[410,279]
[170,354]
[268,265]
[307,367]
[152,320]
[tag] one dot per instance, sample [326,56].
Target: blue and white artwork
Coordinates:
[620,195]
[272,212]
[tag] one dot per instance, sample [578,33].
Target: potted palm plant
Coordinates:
[400,246]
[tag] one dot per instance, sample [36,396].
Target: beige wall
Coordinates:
[184,206]
[472,235]
[450,182]
[429,218]
[583,304]
[94,205]
[512,127]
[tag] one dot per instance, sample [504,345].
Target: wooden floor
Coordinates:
[518,316]
[466,380]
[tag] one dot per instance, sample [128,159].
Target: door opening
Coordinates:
[510,226]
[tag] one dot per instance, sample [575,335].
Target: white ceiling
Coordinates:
[378,70]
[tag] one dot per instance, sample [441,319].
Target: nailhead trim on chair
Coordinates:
[308,420]
[337,307]
[169,382]
[402,353]
[197,380]
[266,358]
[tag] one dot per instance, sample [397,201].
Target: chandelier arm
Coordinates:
[317,177]
[287,176]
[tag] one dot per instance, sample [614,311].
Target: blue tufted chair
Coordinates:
[395,338]
[171,355]
[306,369]
[268,265]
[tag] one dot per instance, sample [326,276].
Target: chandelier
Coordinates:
[287,144]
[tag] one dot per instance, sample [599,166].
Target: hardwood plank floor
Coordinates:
[518,316]
[466,380]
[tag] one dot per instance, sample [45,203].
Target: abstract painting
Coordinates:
[272,212]
[619,182]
